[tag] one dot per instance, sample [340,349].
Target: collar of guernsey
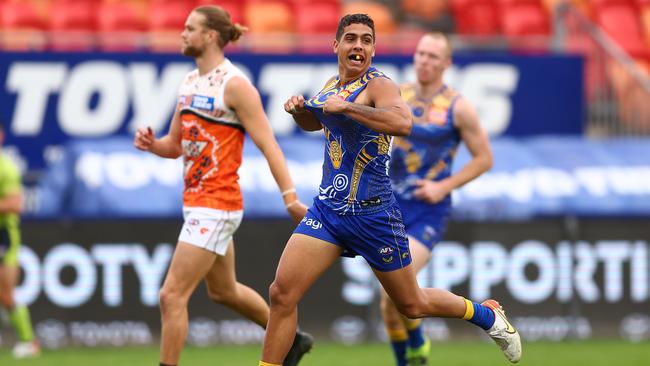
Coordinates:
[355,168]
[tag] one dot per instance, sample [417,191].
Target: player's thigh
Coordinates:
[222,278]
[189,265]
[303,261]
[420,254]
[401,286]
[8,280]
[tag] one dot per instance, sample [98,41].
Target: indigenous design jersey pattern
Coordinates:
[212,139]
[355,169]
[428,152]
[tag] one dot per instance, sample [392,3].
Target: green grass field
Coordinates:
[593,353]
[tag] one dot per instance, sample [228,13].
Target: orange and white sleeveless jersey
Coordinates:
[212,139]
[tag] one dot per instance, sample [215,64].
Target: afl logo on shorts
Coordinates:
[385,250]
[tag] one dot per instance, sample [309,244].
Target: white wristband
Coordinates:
[290,190]
[290,204]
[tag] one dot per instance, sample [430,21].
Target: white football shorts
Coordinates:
[208,228]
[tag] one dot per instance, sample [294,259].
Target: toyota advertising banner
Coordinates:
[95,283]
[48,99]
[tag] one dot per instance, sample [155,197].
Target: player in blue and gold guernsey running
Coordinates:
[356,212]
[421,174]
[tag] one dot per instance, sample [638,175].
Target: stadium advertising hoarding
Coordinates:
[531,177]
[94,283]
[47,99]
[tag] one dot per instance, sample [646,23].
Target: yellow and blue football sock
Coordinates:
[478,314]
[262,363]
[416,336]
[22,322]
[399,342]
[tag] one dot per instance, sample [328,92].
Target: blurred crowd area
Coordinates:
[148,22]
[308,26]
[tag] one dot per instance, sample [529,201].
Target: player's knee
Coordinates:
[222,296]
[169,300]
[280,295]
[409,309]
[386,305]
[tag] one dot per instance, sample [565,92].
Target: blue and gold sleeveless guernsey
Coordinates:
[355,208]
[355,178]
[428,154]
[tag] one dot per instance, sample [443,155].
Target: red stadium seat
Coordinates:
[166,22]
[234,7]
[645,21]
[384,22]
[476,17]
[273,33]
[73,24]
[317,17]
[22,27]
[620,20]
[169,15]
[256,16]
[385,25]
[20,15]
[523,18]
[425,9]
[584,6]
[120,26]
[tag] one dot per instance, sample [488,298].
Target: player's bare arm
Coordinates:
[382,109]
[244,99]
[304,118]
[12,203]
[476,139]
[168,146]
[478,144]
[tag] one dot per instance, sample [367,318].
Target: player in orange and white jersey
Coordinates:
[216,105]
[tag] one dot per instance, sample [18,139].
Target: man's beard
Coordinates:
[192,51]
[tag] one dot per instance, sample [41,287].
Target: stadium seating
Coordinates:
[84,24]
[644,7]
[384,22]
[620,20]
[120,27]
[256,15]
[319,18]
[523,18]
[316,17]
[22,27]
[234,7]
[75,22]
[266,28]
[425,9]
[584,6]
[166,22]
[476,17]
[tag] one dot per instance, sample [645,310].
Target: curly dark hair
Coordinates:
[355,19]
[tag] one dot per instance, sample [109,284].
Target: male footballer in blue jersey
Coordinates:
[420,172]
[355,212]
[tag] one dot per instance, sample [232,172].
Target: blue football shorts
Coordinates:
[425,222]
[379,237]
